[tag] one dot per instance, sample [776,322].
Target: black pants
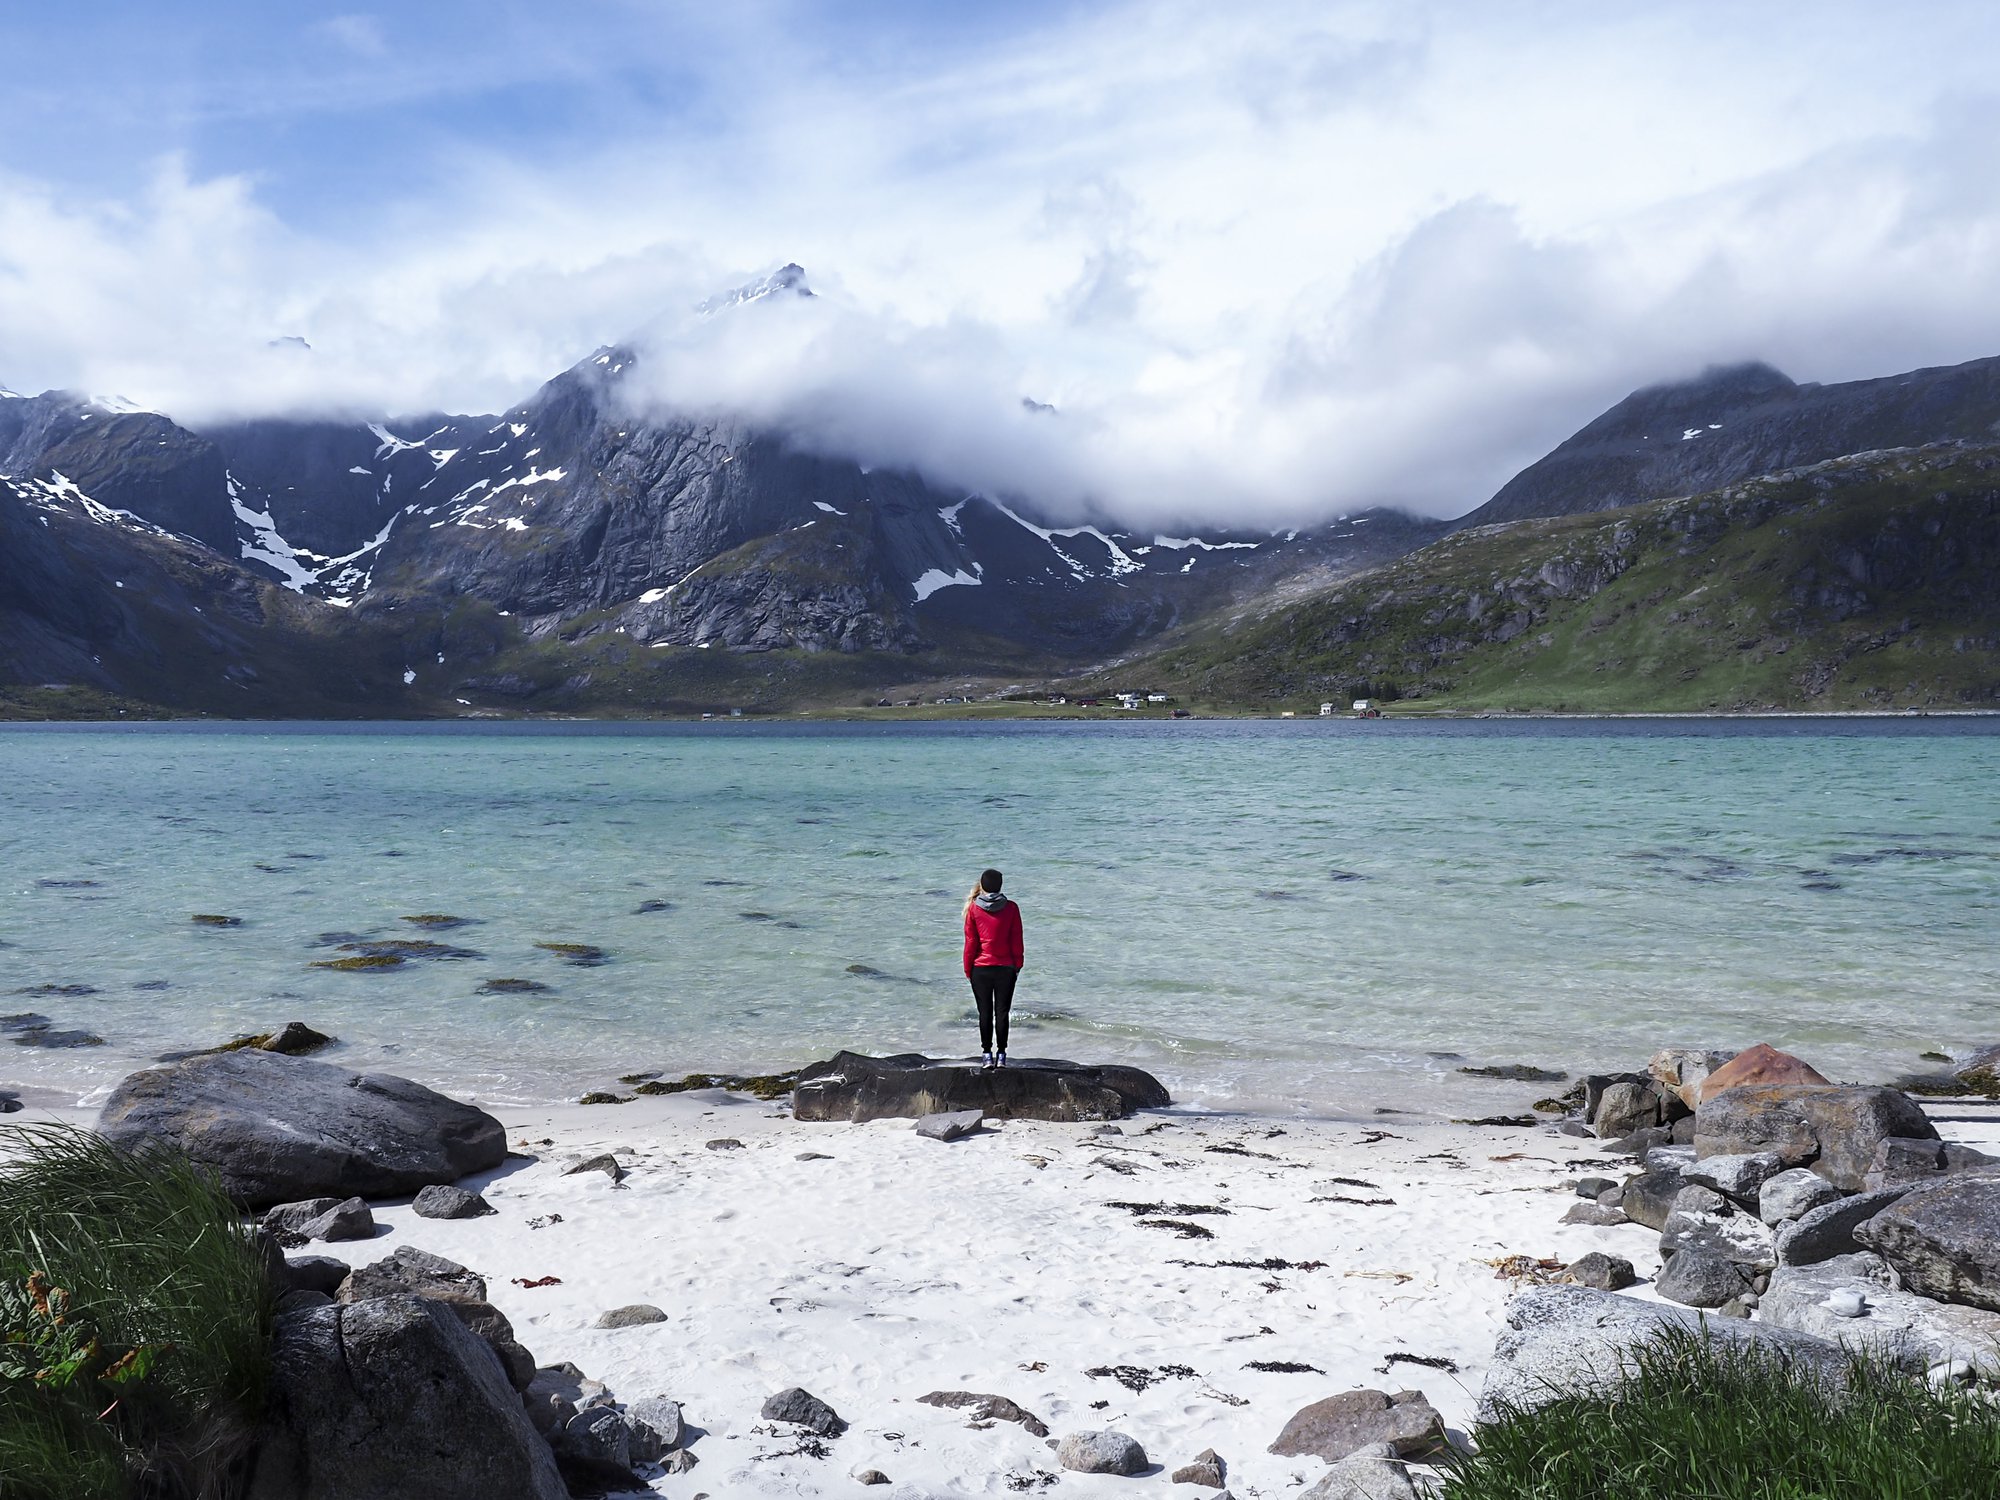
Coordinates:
[993,988]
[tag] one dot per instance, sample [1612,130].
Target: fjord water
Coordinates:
[1329,916]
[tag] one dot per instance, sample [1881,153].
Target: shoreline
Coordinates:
[1189,1279]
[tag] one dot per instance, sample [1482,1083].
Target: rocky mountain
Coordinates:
[1738,421]
[1871,581]
[588,552]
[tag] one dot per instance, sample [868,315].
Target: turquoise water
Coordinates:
[1291,914]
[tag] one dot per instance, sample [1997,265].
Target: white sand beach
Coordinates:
[872,1266]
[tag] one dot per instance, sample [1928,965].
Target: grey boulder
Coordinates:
[394,1399]
[315,1273]
[852,1086]
[1909,1163]
[1103,1452]
[1741,1238]
[1339,1425]
[349,1220]
[1794,1193]
[1372,1473]
[1573,1340]
[1829,1230]
[1609,1273]
[1740,1178]
[950,1127]
[1649,1197]
[1204,1468]
[1832,1128]
[276,1129]
[632,1315]
[1943,1239]
[1695,1279]
[441,1202]
[985,1408]
[1892,1323]
[659,1421]
[801,1406]
[286,1222]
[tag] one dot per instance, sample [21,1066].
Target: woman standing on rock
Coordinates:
[993,959]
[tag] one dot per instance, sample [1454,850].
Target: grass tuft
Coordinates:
[1698,1420]
[134,1323]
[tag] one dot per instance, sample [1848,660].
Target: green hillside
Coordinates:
[1870,582]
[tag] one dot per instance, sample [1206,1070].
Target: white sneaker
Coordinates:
[1001,1061]
[986,1059]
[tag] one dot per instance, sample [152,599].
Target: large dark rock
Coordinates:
[394,1399]
[1828,1230]
[277,1129]
[850,1086]
[1832,1128]
[411,1272]
[1943,1239]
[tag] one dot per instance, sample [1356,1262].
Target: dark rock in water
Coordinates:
[989,1409]
[55,1039]
[802,1407]
[410,1272]
[1338,1425]
[514,987]
[27,1020]
[1103,1452]
[276,1129]
[214,919]
[58,991]
[1695,1279]
[851,1086]
[1516,1073]
[361,963]
[404,948]
[393,1399]
[580,955]
[294,1039]
[432,921]
[1610,1273]
[440,1202]
[1943,1239]
[1832,1128]
[599,1096]
[645,908]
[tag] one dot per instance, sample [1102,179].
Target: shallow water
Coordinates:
[1270,914]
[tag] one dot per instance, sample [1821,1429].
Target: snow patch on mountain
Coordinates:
[937,579]
[1182,543]
[262,543]
[390,444]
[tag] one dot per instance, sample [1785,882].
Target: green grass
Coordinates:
[134,1324]
[1699,1420]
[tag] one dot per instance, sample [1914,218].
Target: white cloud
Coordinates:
[1268,262]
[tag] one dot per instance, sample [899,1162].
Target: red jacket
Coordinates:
[992,938]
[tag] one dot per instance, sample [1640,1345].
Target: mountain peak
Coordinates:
[788,278]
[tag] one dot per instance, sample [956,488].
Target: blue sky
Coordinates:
[1269,259]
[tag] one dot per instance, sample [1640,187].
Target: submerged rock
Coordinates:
[276,1129]
[851,1086]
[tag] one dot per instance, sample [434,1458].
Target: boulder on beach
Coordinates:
[1339,1425]
[1574,1340]
[1943,1240]
[986,1408]
[440,1202]
[1792,1194]
[851,1086]
[1828,1230]
[394,1399]
[412,1272]
[1856,1301]
[1371,1473]
[1102,1452]
[1683,1070]
[1761,1064]
[800,1406]
[276,1129]
[1832,1128]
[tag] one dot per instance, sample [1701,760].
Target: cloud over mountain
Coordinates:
[1267,264]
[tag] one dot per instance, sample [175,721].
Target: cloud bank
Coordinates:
[1268,264]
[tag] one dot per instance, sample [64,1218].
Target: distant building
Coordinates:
[1362,705]
[1288,714]
[1326,710]
[1158,698]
